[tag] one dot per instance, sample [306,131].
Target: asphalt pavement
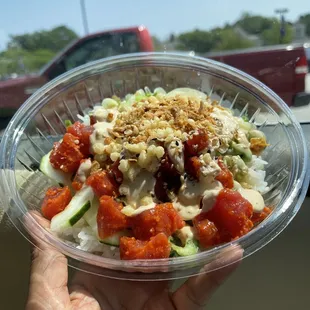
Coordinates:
[302,113]
[3,123]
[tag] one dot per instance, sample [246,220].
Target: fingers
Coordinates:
[97,288]
[34,222]
[49,274]
[48,280]
[196,291]
[82,299]
[41,220]
[160,301]
[45,258]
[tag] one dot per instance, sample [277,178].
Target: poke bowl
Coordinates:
[151,166]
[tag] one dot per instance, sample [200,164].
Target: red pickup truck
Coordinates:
[282,68]
[14,92]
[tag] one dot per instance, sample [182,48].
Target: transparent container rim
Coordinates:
[14,132]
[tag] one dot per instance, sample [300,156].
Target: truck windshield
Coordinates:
[94,48]
[102,46]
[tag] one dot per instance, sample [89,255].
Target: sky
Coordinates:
[161,17]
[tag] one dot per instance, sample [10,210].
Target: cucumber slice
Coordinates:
[91,215]
[56,175]
[191,247]
[114,239]
[241,150]
[91,218]
[184,243]
[75,210]
[77,216]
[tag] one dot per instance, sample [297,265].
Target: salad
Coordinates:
[156,175]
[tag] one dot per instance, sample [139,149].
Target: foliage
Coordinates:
[266,29]
[20,61]
[272,35]
[228,39]
[199,41]
[215,40]
[255,24]
[53,40]
[29,52]
[305,19]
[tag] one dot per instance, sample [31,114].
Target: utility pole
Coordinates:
[84,16]
[282,19]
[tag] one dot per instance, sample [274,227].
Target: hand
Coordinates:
[49,286]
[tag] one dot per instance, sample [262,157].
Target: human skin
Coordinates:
[49,288]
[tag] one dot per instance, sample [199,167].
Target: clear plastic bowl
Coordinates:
[40,122]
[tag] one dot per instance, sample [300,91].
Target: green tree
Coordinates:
[20,61]
[199,41]
[272,36]
[53,40]
[228,39]
[37,59]
[255,24]
[305,19]
[29,52]
[218,39]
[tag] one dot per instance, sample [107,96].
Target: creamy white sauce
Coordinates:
[100,131]
[189,92]
[185,233]
[191,193]
[84,170]
[237,185]
[130,211]
[176,154]
[209,199]
[101,128]
[187,212]
[214,143]
[102,114]
[142,186]
[254,197]
[228,124]
[210,169]
[242,138]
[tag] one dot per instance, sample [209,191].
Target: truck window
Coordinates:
[102,46]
